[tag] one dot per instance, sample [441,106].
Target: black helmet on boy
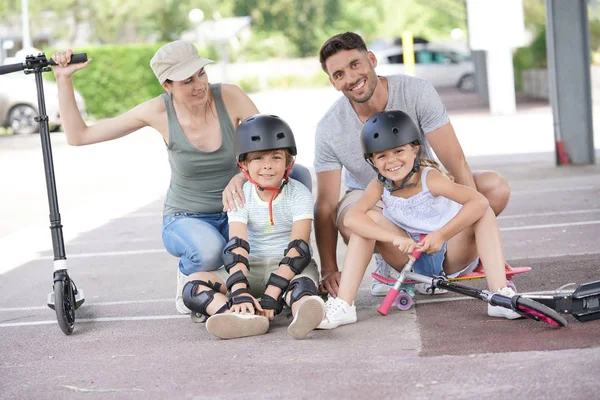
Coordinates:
[264,132]
[387,130]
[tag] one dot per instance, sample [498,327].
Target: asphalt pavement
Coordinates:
[129,342]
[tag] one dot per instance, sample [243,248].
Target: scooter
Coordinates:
[527,307]
[65,297]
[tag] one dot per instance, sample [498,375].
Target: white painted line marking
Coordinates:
[547,214]
[560,190]
[106,319]
[88,304]
[108,254]
[527,227]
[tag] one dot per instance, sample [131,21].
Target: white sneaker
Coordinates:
[378,288]
[337,313]
[426,288]
[501,312]
[181,308]
[309,316]
[381,268]
[231,325]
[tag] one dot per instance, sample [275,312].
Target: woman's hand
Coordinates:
[432,243]
[249,306]
[233,193]
[62,67]
[270,314]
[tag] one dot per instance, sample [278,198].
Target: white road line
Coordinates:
[88,304]
[547,214]
[560,190]
[108,254]
[106,319]
[528,227]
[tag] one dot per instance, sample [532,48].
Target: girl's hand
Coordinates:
[248,306]
[62,67]
[431,244]
[406,245]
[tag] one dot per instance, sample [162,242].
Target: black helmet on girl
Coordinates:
[387,130]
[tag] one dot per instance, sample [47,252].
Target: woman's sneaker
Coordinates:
[501,312]
[181,308]
[309,316]
[382,268]
[337,313]
[233,325]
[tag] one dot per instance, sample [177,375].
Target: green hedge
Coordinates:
[118,78]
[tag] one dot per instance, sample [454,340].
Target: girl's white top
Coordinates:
[420,214]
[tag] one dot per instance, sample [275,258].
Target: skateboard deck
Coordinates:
[470,276]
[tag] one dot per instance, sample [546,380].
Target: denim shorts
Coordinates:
[197,239]
[433,264]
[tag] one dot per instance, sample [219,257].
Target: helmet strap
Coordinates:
[275,190]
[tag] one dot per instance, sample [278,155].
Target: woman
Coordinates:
[197,122]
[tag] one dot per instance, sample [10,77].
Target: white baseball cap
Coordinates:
[177,61]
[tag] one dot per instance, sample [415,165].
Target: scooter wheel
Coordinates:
[198,318]
[403,301]
[64,305]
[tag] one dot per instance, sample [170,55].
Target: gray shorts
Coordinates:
[350,198]
[259,272]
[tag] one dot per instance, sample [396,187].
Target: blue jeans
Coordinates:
[433,264]
[197,239]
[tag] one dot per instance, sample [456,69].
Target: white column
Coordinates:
[25,24]
[501,82]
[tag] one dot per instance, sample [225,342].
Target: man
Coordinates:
[351,70]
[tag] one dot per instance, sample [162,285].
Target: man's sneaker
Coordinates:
[337,313]
[501,312]
[309,316]
[181,308]
[381,268]
[378,288]
[233,325]
[426,288]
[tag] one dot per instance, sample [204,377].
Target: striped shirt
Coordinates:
[293,204]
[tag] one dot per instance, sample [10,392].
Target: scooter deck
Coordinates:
[470,276]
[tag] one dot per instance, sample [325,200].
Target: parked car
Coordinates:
[19,105]
[442,67]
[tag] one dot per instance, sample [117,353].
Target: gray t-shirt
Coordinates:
[337,141]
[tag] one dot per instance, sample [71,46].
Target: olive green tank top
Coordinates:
[199,177]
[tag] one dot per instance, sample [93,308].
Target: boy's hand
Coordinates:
[270,314]
[432,243]
[251,307]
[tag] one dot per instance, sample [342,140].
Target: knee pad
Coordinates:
[198,302]
[230,258]
[297,264]
[301,287]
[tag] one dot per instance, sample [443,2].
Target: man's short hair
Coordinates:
[337,43]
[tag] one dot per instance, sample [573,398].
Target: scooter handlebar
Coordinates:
[7,69]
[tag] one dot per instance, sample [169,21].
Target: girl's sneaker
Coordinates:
[309,316]
[337,313]
[501,312]
[233,325]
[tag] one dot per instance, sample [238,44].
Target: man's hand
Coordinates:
[233,192]
[330,283]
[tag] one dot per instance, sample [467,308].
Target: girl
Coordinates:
[418,199]
[275,221]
